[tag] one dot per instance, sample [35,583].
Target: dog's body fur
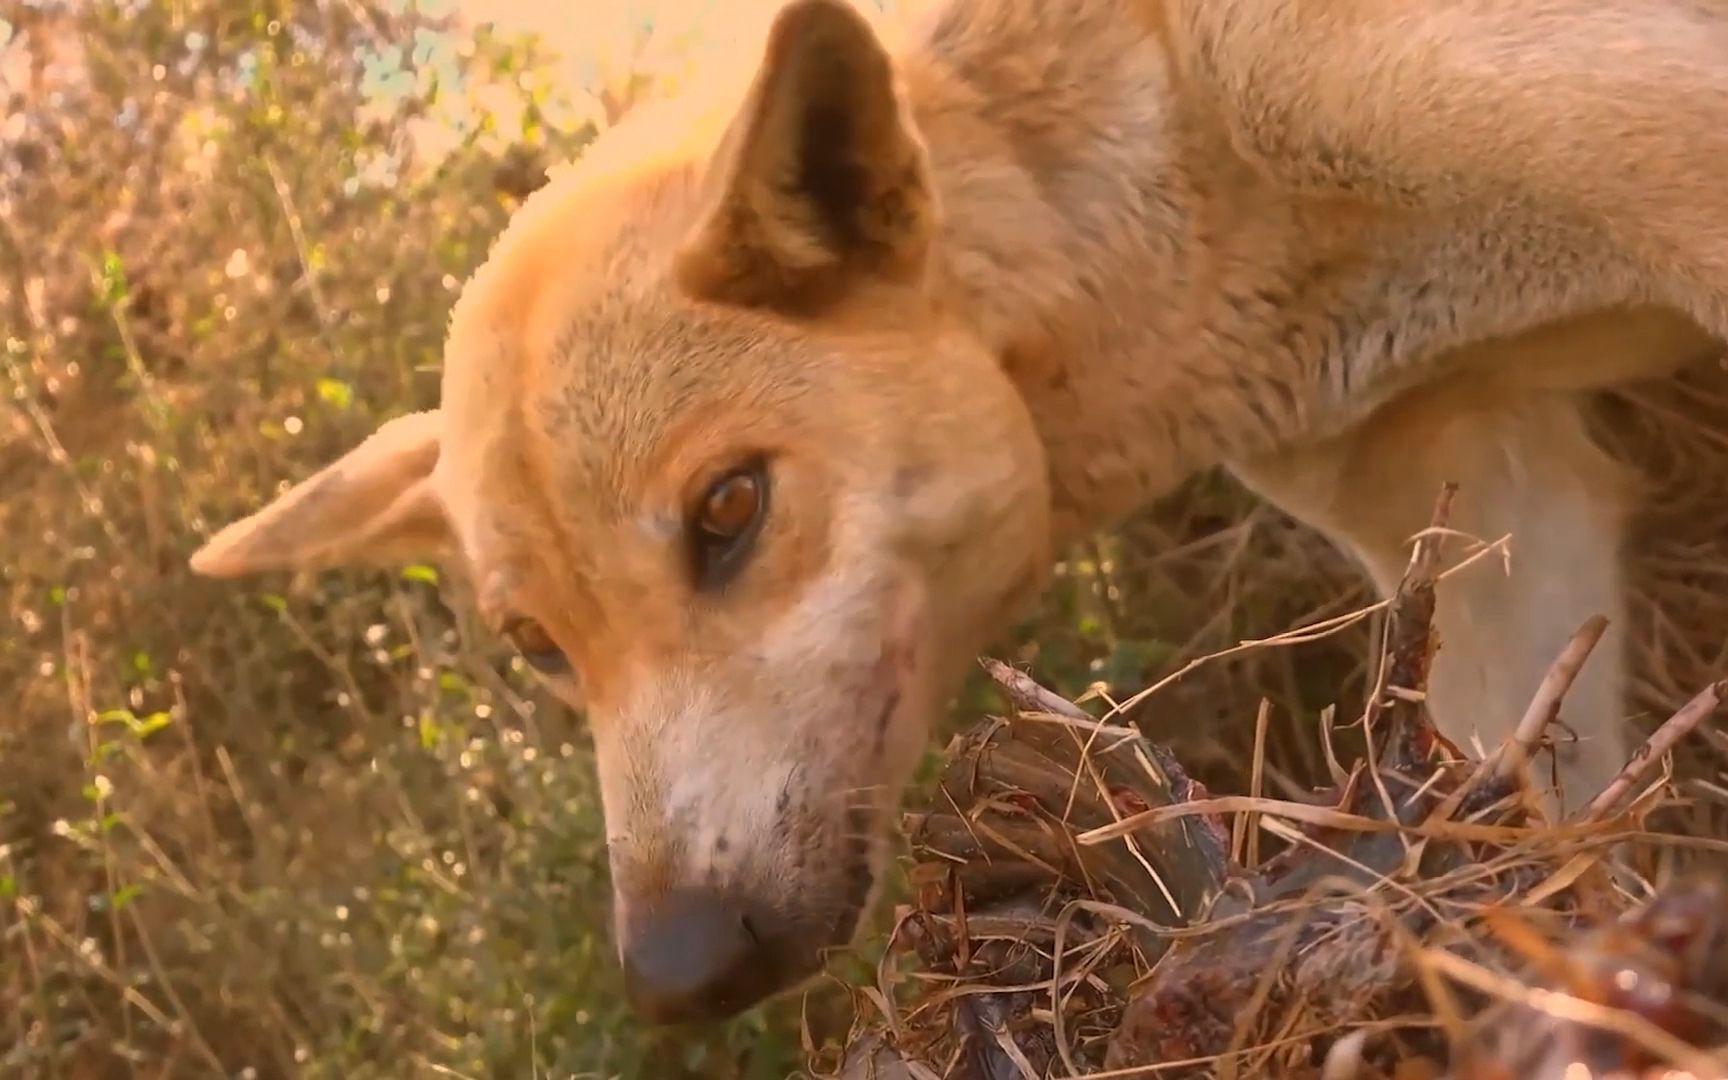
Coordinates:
[1016,275]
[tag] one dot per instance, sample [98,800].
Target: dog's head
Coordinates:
[727,471]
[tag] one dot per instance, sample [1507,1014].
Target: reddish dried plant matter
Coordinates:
[1078,911]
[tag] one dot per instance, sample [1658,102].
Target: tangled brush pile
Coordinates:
[1081,907]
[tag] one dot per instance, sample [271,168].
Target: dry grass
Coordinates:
[1082,908]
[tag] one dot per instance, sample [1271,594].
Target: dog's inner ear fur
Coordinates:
[821,181]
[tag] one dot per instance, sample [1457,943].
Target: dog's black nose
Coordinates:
[697,956]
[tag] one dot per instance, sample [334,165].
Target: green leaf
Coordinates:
[156,721]
[133,723]
[420,572]
[335,392]
[111,281]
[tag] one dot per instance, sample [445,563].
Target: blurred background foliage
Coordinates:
[321,827]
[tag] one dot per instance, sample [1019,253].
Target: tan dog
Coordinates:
[762,418]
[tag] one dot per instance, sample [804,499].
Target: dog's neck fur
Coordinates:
[1080,170]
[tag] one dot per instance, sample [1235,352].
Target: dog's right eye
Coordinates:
[724,524]
[537,647]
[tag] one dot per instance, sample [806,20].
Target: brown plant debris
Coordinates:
[1077,910]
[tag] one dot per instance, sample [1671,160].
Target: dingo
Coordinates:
[766,414]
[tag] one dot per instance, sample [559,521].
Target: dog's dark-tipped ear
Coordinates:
[821,181]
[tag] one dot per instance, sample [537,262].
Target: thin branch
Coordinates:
[1663,740]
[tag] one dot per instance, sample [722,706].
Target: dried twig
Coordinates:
[1025,692]
[1507,762]
[1664,739]
[1544,708]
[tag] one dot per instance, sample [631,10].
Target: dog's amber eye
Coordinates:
[725,522]
[730,506]
[537,647]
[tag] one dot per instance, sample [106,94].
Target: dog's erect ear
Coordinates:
[821,180]
[373,505]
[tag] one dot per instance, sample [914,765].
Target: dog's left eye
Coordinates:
[725,522]
[537,647]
